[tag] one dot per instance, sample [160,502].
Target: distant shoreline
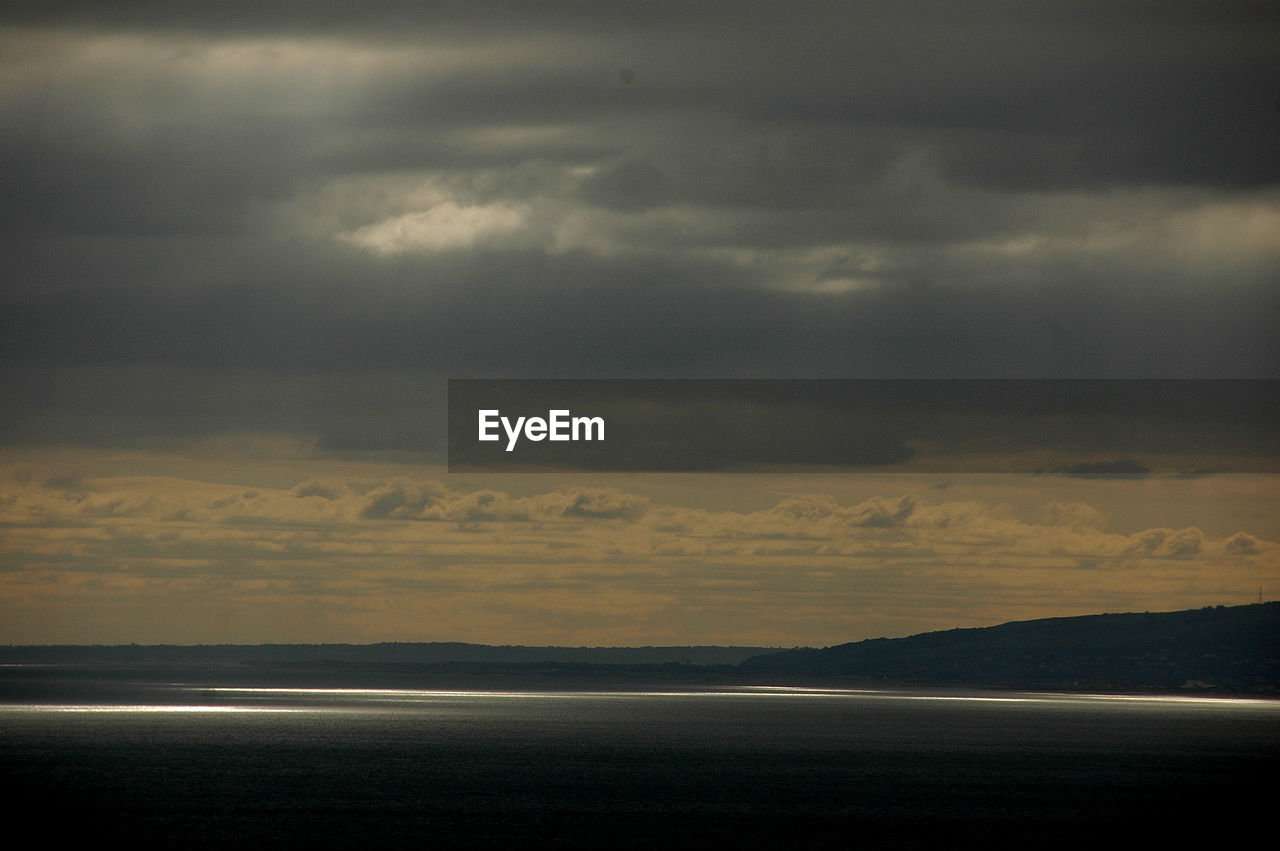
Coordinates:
[1219,650]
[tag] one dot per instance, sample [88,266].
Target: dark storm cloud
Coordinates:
[587,315]
[228,217]
[246,362]
[69,180]
[1127,467]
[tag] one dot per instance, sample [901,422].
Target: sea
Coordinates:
[198,758]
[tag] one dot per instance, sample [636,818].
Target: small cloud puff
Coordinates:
[604,504]
[324,489]
[1242,544]
[877,513]
[443,227]
[1073,514]
[402,499]
[1167,542]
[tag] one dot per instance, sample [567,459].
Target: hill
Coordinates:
[1221,648]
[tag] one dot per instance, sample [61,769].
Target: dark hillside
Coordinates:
[1224,648]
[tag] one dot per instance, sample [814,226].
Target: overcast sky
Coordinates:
[231,233]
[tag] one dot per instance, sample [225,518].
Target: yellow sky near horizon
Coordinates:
[227,544]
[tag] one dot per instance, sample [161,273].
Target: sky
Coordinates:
[244,249]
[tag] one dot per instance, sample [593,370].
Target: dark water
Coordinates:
[182,763]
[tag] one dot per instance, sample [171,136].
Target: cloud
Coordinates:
[260,235]
[353,549]
[1173,543]
[1242,543]
[228,219]
[442,227]
[628,185]
[878,513]
[401,498]
[324,489]
[1118,467]
[1073,514]
[603,503]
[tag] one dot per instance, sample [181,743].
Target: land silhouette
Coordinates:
[1217,649]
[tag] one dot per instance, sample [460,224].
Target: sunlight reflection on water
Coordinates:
[259,699]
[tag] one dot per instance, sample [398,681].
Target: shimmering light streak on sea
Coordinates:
[213,761]
[137,707]
[176,698]
[792,692]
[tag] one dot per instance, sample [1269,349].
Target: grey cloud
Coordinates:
[133,368]
[323,489]
[401,499]
[1242,543]
[1187,542]
[1122,467]
[822,189]
[607,504]
[1181,543]
[628,185]
[174,184]
[479,507]
[883,514]
[582,315]
[37,475]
